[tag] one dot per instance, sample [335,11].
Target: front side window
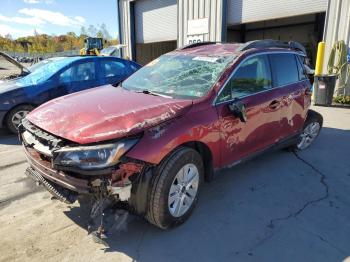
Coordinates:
[284,69]
[252,76]
[66,76]
[179,75]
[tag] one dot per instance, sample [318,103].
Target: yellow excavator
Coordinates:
[93,46]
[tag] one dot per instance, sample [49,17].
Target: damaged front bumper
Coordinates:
[124,185]
[66,185]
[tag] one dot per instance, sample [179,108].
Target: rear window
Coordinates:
[284,69]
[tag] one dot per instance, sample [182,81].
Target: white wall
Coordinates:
[337,28]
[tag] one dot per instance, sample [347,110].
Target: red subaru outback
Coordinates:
[151,141]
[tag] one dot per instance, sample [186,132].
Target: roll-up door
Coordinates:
[155,21]
[246,11]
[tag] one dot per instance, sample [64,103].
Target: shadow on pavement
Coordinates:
[230,221]
[7,138]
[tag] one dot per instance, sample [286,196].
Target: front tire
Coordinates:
[175,189]
[16,115]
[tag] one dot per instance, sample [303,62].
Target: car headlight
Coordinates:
[93,157]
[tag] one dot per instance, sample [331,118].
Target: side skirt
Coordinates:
[285,143]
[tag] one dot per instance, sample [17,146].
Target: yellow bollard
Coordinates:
[319,58]
[319,63]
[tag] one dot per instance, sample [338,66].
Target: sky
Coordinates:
[55,17]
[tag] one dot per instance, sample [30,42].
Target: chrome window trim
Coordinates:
[234,71]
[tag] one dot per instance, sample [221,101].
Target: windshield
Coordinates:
[33,67]
[180,76]
[43,70]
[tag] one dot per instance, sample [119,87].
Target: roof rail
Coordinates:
[196,44]
[273,43]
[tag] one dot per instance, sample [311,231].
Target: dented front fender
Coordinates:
[197,125]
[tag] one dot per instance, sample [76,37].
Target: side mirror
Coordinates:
[238,110]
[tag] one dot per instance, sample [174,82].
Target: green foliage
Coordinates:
[42,43]
[342,99]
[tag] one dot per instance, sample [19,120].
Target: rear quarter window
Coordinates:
[301,67]
[285,70]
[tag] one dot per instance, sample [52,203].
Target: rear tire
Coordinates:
[311,130]
[174,194]
[15,116]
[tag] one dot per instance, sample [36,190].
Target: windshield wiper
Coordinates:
[147,92]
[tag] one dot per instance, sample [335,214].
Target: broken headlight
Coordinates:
[93,157]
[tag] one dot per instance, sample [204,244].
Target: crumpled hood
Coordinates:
[104,113]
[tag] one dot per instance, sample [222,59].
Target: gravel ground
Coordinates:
[278,207]
[7,69]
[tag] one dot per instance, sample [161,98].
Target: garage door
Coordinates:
[246,11]
[155,21]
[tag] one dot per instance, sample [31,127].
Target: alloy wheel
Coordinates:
[18,116]
[308,135]
[183,190]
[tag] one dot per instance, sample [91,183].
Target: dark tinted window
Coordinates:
[284,69]
[252,76]
[66,76]
[113,68]
[80,72]
[85,72]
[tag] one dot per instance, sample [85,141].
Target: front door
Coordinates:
[250,84]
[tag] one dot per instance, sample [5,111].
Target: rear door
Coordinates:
[250,84]
[293,85]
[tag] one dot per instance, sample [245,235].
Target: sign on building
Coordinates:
[196,29]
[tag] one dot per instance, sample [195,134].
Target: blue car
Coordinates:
[56,77]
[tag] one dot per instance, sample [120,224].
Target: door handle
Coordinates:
[274,104]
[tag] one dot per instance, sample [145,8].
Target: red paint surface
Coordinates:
[105,113]
[109,113]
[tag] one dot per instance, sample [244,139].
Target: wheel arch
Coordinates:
[203,150]
[206,156]
[312,113]
[12,108]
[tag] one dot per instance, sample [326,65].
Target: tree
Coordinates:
[92,31]
[104,31]
[83,31]
[42,43]
[8,36]
[100,34]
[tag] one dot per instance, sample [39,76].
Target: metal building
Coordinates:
[150,28]
[337,28]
